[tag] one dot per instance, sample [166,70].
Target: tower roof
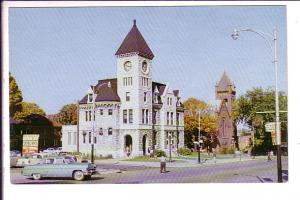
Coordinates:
[135,43]
[224,83]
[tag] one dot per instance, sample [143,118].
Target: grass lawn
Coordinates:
[143,159]
[205,155]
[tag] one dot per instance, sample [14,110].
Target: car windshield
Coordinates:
[69,160]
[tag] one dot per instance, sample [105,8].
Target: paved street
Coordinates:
[249,171]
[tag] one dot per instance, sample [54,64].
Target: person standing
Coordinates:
[162,164]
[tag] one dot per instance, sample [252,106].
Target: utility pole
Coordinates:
[77,141]
[199,136]
[93,124]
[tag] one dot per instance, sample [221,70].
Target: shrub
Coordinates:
[226,150]
[184,151]
[159,153]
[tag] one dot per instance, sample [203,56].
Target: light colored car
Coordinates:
[31,159]
[50,150]
[14,156]
[58,150]
[60,167]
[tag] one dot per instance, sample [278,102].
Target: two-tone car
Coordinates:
[59,166]
[30,159]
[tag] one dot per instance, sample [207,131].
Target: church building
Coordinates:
[225,92]
[129,115]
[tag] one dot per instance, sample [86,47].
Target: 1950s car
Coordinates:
[60,167]
[30,159]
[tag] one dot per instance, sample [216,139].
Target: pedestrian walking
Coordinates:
[162,164]
[269,156]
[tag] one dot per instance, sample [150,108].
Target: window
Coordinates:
[147,116]
[124,81]
[145,96]
[74,138]
[90,137]
[86,116]
[171,118]
[130,80]
[110,131]
[90,115]
[83,134]
[170,101]
[130,116]
[127,96]
[155,98]
[90,98]
[101,111]
[143,116]
[125,116]
[177,118]
[110,111]
[69,138]
[94,115]
[95,140]
[101,131]
[167,118]
[154,117]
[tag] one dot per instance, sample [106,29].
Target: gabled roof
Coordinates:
[135,43]
[106,90]
[161,87]
[224,83]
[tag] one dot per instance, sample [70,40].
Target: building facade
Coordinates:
[131,114]
[225,92]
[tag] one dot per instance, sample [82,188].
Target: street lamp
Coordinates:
[199,136]
[170,153]
[269,37]
[94,118]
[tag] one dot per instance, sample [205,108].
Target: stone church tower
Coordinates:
[225,92]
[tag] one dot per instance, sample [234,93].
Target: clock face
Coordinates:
[145,67]
[127,66]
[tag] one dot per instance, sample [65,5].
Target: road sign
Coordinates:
[270,127]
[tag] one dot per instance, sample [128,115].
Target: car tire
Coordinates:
[78,175]
[36,176]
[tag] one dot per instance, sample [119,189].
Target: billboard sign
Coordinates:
[30,143]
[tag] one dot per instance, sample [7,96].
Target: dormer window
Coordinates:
[90,98]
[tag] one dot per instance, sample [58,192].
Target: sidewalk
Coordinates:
[181,162]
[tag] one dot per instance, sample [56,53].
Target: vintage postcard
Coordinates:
[147,94]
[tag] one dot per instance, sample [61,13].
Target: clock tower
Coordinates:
[134,77]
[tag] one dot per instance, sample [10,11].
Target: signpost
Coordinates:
[270,127]
[30,143]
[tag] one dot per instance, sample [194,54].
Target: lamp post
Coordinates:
[199,136]
[77,141]
[170,153]
[93,127]
[273,37]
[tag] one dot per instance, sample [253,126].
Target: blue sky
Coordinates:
[56,53]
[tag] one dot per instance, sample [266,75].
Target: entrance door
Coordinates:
[145,148]
[128,145]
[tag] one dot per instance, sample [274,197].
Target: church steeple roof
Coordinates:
[135,43]
[225,83]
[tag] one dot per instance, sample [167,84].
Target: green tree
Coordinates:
[15,96]
[259,100]
[28,108]
[191,121]
[68,114]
